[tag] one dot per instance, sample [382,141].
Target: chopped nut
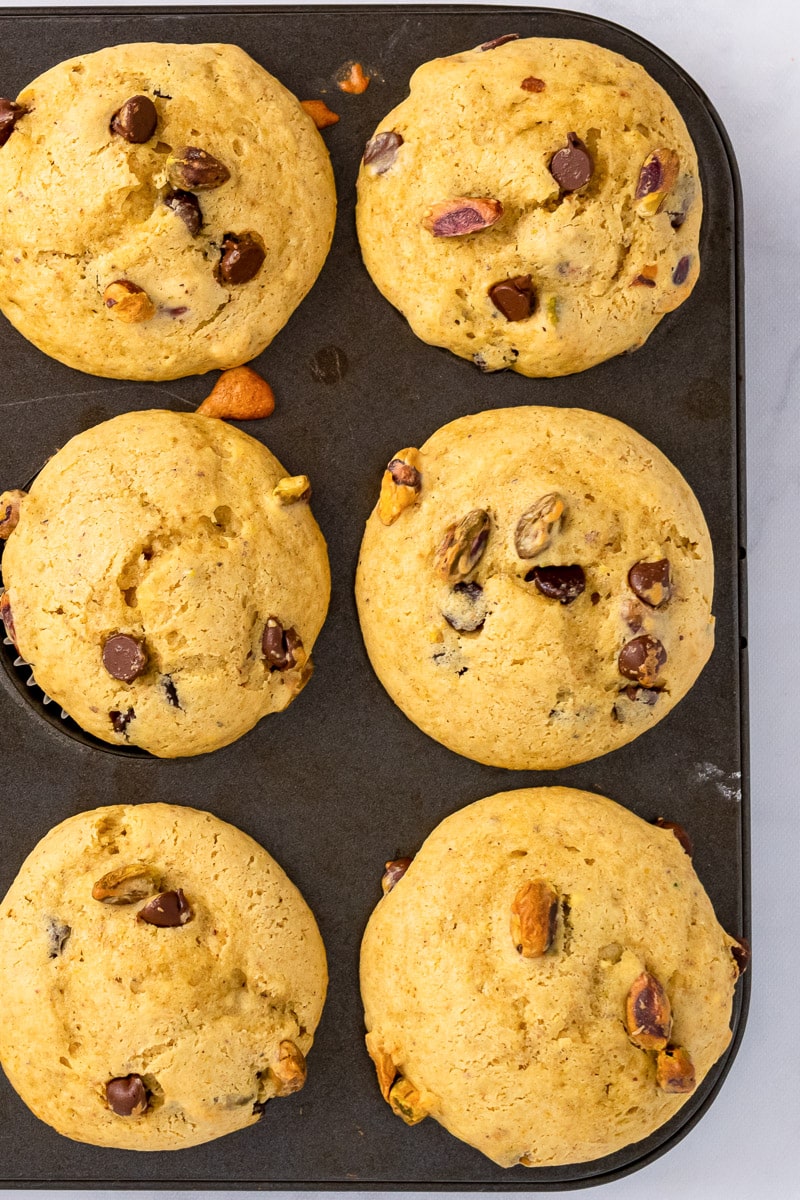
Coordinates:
[534,914]
[648,1016]
[292,488]
[463,214]
[381,151]
[678,830]
[657,178]
[400,486]
[539,525]
[128,302]
[127,1096]
[126,885]
[10,113]
[290,1070]
[646,277]
[465,608]
[741,953]
[406,1102]
[136,120]
[356,81]
[239,395]
[282,648]
[241,258]
[9,511]
[463,545]
[675,1070]
[651,582]
[192,169]
[319,112]
[385,1068]
[642,659]
[394,872]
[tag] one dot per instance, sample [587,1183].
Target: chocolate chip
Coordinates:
[558,583]
[643,281]
[10,113]
[642,659]
[679,831]
[500,41]
[651,582]
[168,911]
[572,166]
[242,258]
[595,597]
[121,720]
[465,609]
[404,475]
[57,937]
[381,151]
[186,206]
[641,695]
[127,1096]
[681,272]
[514,297]
[171,691]
[329,365]
[124,657]
[7,617]
[741,954]
[532,84]
[280,646]
[136,121]
[394,872]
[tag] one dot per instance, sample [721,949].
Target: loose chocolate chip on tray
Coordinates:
[651,582]
[167,911]
[381,151]
[514,297]
[679,832]
[462,215]
[282,648]
[192,169]
[642,659]
[124,657]
[499,41]
[10,113]
[329,365]
[681,272]
[186,206]
[127,1096]
[564,584]
[242,258]
[394,872]
[572,166]
[136,120]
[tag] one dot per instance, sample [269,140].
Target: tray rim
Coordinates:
[738,341]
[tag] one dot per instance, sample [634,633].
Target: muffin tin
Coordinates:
[342,781]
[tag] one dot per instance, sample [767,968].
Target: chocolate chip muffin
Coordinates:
[534,204]
[151,1000]
[166,581]
[547,978]
[166,208]
[535,586]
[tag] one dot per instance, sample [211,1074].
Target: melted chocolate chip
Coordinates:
[242,258]
[171,691]
[381,151]
[651,582]
[186,206]
[514,297]
[572,166]
[124,657]
[57,937]
[741,954]
[499,41]
[679,831]
[465,610]
[7,617]
[644,281]
[10,113]
[279,645]
[564,584]
[121,720]
[136,121]
[127,1096]
[681,272]
[167,911]
[532,84]
[642,659]
[641,695]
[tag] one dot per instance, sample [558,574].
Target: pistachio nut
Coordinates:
[290,1070]
[538,525]
[400,486]
[292,488]
[9,511]
[462,546]
[675,1070]
[127,885]
[384,1066]
[128,302]
[191,169]
[648,1015]
[406,1102]
[534,914]
[657,178]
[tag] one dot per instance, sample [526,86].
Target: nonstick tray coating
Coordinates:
[343,781]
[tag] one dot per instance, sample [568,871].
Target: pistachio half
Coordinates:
[534,914]
[648,1015]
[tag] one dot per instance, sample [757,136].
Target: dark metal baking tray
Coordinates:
[342,781]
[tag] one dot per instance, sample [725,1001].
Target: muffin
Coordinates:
[533,203]
[535,585]
[166,208]
[166,581]
[547,978]
[151,1000]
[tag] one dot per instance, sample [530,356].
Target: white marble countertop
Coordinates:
[746,56]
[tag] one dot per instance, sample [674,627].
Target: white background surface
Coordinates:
[745,54]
